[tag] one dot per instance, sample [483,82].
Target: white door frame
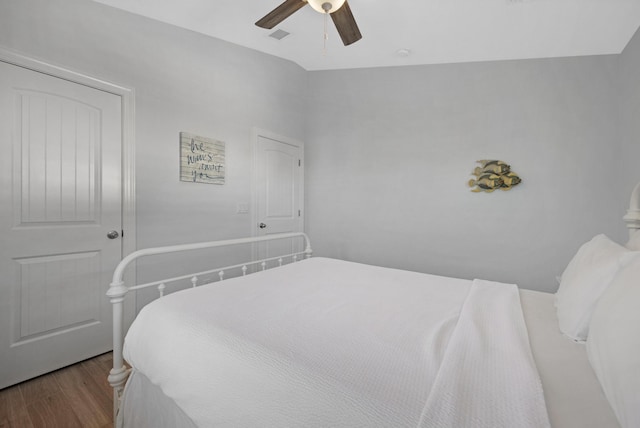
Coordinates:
[127,96]
[255,134]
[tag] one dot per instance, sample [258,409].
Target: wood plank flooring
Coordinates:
[75,396]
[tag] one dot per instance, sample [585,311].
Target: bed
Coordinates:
[317,342]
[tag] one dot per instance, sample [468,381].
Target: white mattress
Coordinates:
[309,371]
[147,402]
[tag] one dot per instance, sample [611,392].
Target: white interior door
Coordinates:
[280,190]
[60,168]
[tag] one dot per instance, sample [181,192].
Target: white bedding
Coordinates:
[488,377]
[330,343]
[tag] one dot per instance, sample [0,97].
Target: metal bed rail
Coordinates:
[118,289]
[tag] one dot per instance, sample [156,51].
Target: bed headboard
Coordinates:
[632,218]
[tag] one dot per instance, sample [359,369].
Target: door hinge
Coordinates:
[122,233]
[299,162]
[298,213]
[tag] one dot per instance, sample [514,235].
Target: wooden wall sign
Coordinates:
[201,159]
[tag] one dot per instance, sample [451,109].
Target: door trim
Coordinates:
[127,95]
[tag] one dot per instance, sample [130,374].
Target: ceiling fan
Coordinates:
[338,9]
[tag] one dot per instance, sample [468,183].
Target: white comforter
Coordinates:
[327,343]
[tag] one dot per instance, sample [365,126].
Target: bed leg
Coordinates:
[117,379]
[118,374]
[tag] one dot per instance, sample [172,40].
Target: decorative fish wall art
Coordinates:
[492,175]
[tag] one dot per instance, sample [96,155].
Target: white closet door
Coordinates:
[60,196]
[280,191]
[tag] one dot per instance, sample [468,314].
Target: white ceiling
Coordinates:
[434,31]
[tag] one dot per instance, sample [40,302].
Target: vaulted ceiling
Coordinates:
[410,32]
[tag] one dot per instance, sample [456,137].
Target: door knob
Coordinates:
[113,234]
[262,225]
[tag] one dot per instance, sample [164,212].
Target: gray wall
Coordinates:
[183,81]
[390,151]
[629,89]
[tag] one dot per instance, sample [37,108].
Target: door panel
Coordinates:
[74,282]
[58,139]
[61,148]
[280,185]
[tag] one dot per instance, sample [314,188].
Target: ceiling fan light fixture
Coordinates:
[326,6]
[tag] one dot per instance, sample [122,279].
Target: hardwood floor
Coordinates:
[75,396]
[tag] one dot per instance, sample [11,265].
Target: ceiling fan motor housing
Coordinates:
[326,6]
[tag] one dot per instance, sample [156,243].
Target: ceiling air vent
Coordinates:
[279,34]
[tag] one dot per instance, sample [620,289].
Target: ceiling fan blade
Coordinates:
[280,13]
[346,24]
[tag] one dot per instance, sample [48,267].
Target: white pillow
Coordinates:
[613,346]
[583,281]
[634,242]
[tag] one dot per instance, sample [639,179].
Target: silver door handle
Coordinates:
[262,225]
[113,234]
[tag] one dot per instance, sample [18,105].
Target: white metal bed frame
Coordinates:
[632,218]
[118,290]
